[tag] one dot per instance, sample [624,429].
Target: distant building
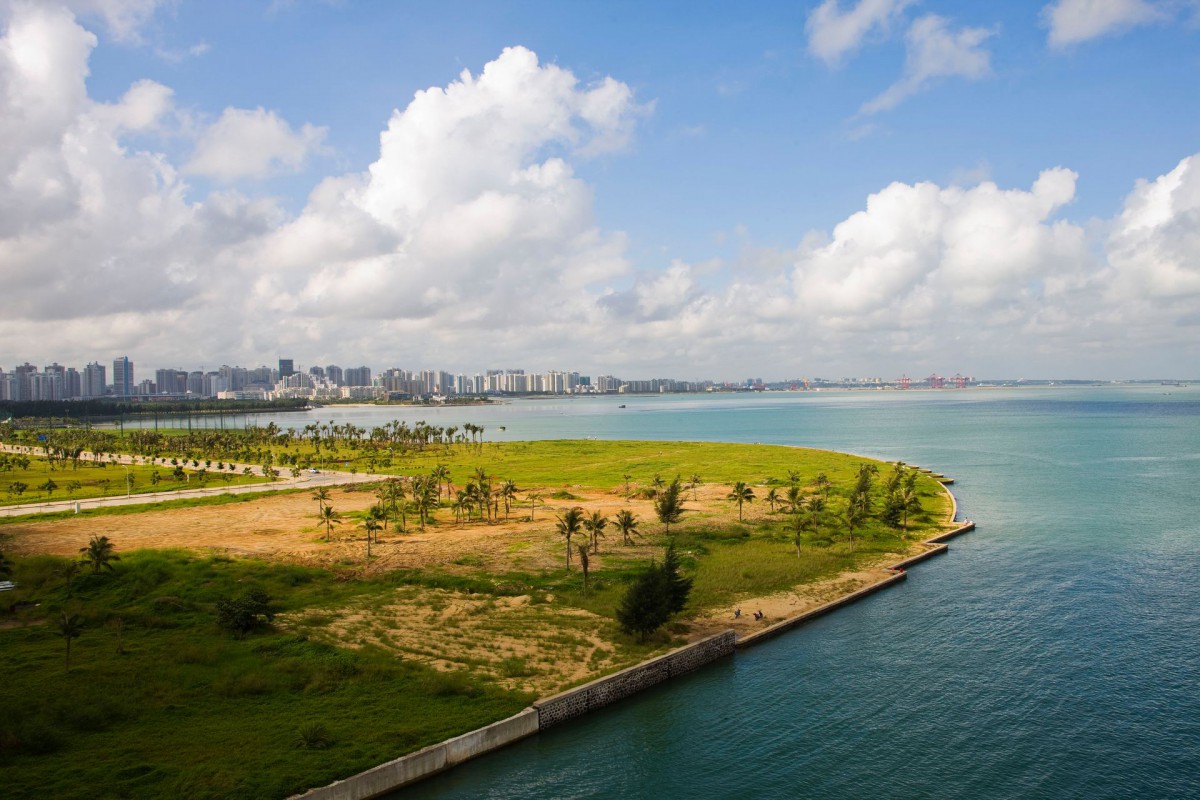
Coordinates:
[333,373]
[287,368]
[94,380]
[123,377]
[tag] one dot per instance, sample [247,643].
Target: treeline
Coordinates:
[99,409]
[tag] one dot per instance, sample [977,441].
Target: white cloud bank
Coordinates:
[471,242]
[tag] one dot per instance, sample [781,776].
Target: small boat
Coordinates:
[621,406]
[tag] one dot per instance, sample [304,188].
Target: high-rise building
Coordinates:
[94,380]
[287,367]
[358,376]
[334,373]
[123,377]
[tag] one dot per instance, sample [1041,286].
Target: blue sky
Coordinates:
[781,189]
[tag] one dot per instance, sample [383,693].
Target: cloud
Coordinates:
[935,51]
[1154,241]
[1075,21]
[124,19]
[834,34]
[472,241]
[253,143]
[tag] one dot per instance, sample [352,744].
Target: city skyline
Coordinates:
[688,190]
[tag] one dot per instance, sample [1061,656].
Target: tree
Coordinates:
[69,627]
[68,571]
[535,499]
[48,487]
[626,478]
[655,594]
[244,614]
[583,563]
[646,604]
[73,487]
[910,502]
[694,482]
[99,554]
[16,488]
[508,491]
[627,524]
[569,523]
[678,587]
[856,515]
[773,499]
[808,521]
[330,518]
[372,528]
[595,526]
[668,505]
[823,485]
[741,493]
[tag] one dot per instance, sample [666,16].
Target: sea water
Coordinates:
[1054,652]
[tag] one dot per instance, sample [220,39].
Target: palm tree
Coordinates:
[626,477]
[99,554]
[330,518]
[441,474]
[823,485]
[669,503]
[321,495]
[69,627]
[595,525]
[535,499]
[583,562]
[806,522]
[856,514]
[627,523]
[773,498]
[568,525]
[741,493]
[508,491]
[794,498]
[68,571]
[694,481]
[372,528]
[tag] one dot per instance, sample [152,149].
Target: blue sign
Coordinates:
[41,437]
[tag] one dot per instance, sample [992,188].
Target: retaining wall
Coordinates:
[779,627]
[602,691]
[423,763]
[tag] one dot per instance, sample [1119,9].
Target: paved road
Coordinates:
[304,480]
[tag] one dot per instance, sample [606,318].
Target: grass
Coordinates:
[159,701]
[188,711]
[165,505]
[100,478]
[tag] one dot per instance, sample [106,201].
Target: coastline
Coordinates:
[704,646]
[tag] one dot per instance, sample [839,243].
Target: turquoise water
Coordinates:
[1054,653]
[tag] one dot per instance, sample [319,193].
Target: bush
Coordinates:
[245,614]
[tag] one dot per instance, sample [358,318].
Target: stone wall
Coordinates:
[423,763]
[602,691]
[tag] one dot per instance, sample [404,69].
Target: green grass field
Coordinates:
[160,701]
[44,480]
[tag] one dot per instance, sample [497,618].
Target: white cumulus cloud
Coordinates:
[253,143]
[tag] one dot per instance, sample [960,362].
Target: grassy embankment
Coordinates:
[187,710]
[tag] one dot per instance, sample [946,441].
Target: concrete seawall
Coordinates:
[429,761]
[603,691]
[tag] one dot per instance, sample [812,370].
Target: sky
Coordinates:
[696,190]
